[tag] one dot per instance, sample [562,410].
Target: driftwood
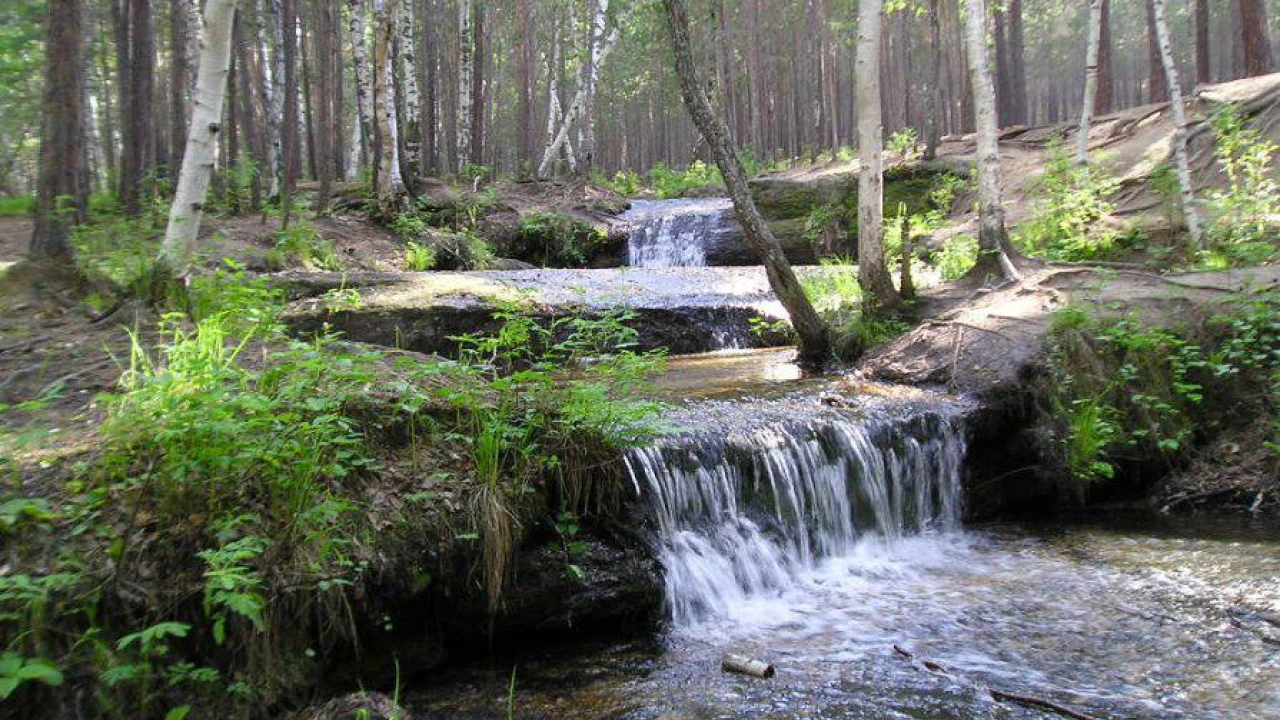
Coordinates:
[743,665]
[998,694]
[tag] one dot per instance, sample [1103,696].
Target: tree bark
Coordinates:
[61,138]
[814,339]
[580,99]
[289,156]
[364,82]
[1255,37]
[1157,88]
[933,103]
[993,241]
[524,110]
[178,247]
[873,275]
[466,76]
[1090,82]
[1202,41]
[1104,102]
[1179,120]
[388,183]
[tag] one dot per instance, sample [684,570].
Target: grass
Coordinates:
[17,206]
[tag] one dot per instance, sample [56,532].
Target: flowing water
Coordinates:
[675,233]
[818,538]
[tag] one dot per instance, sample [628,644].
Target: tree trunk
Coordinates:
[1157,88]
[206,116]
[993,241]
[1202,41]
[1017,63]
[289,155]
[466,76]
[524,109]
[1179,121]
[1255,37]
[933,103]
[1090,82]
[576,108]
[814,339]
[1104,102]
[877,286]
[388,183]
[476,150]
[61,137]
[136,55]
[364,82]
[591,78]
[324,101]
[430,152]
[179,61]
[271,34]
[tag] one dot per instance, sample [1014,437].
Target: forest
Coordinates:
[391,359]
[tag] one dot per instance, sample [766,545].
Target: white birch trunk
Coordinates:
[1090,82]
[202,137]
[409,69]
[466,77]
[992,237]
[364,84]
[388,183]
[578,105]
[1179,112]
[591,80]
[873,275]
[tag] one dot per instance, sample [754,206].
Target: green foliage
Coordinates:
[904,143]
[301,244]
[17,206]
[838,299]
[624,182]
[1122,391]
[560,240]
[16,670]
[1070,200]
[119,250]
[670,183]
[1244,216]
[956,256]
[419,257]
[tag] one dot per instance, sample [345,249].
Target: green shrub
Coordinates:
[17,206]
[302,244]
[559,240]
[1122,391]
[904,143]
[669,183]
[837,297]
[1070,200]
[1244,216]
[956,256]
[419,257]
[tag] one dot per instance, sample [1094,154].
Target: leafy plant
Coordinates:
[419,257]
[1070,201]
[302,244]
[956,256]
[669,183]
[904,143]
[1244,215]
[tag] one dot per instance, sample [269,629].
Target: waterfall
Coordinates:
[743,514]
[675,233]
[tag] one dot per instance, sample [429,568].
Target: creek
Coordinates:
[818,535]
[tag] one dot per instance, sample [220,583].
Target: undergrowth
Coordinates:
[1122,393]
[1070,200]
[1244,215]
[247,496]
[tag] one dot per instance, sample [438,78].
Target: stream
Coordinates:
[817,538]
[818,534]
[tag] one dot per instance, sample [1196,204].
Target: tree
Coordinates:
[1179,121]
[1202,41]
[873,274]
[202,138]
[1157,88]
[61,137]
[1255,38]
[1090,81]
[387,182]
[135,67]
[814,338]
[993,240]
[1104,101]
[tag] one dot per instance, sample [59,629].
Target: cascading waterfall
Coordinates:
[675,233]
[752,512]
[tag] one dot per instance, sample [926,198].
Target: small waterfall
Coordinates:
[675,233]
[751,512]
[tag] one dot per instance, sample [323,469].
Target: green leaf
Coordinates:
[178,713]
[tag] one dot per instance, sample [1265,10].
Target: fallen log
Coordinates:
[743,665]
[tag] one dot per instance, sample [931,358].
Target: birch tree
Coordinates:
[1179,113]
[388,183]
[466,78]
[993,240]
[1090,82]
[202,138]
[873,275]
[585,93]
[814,338]
[364,81]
